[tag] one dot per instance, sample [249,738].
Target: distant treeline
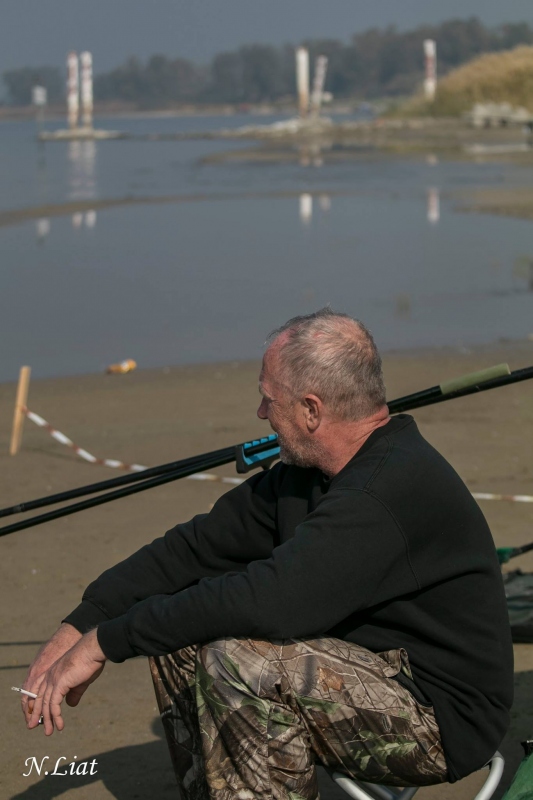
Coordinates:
[376,63]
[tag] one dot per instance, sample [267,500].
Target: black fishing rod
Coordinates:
[111,483]
[158,480]
[264,451]
[258,449]
[250,455]
[460,388]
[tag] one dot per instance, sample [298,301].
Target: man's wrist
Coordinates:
[91,641]
[67,628]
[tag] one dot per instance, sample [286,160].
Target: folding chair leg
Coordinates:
[371,791]
[495,765]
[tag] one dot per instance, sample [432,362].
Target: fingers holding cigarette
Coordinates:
[28,703]
[69,676]
[23,691]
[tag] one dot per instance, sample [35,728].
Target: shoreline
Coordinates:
[444,352]
[516,202]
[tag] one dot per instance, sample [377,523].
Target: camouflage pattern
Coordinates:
[248,718]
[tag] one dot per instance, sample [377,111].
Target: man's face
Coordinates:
[285,414]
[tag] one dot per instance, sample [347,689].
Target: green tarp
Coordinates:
[519,593]
[522,785]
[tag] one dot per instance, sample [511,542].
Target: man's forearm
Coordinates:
[234,533]
[154,569]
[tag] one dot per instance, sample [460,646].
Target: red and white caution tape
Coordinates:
[210,476]
[111,462]
[62,439]
[207,476]
[513,498]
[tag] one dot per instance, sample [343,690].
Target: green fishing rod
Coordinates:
[248,455]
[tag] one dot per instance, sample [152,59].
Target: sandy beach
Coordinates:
[155,416]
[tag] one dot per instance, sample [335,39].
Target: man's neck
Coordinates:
[344,439]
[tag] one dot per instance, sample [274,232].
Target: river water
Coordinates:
[240,246]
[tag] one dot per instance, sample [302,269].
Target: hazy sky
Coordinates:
[39,32]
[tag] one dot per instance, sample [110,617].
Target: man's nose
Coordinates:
[261,411]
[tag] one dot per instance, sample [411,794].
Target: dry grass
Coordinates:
[494,77]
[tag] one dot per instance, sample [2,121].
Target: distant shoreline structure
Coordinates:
[117,110]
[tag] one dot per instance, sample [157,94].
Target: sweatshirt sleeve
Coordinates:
[240,528]
[308,584]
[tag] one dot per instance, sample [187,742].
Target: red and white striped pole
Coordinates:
[430,83]
[86,61]
[73,103]
[321,66]
[302,80]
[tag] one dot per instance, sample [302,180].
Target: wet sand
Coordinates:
[18,216]
[512,202]
[155,416]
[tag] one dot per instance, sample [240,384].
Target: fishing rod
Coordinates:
[505,554]
[158,480]
[249,455]
[259,449]
[263,450]
[459,387]
[111,483]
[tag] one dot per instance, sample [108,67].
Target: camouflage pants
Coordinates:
[247,719]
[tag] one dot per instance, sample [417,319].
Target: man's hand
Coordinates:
[63,639]
[69,677]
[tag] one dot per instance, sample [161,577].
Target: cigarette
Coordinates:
[23,691]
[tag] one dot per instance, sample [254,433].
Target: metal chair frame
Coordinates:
[361,790]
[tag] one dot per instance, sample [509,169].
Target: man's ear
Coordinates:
[313,410]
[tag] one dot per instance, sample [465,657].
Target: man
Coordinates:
[344,606]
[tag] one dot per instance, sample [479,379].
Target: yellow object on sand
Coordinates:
[128,365]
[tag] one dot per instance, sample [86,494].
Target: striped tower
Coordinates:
[86,62]
[430,82]
[73,103]
[321,66]
[302,80]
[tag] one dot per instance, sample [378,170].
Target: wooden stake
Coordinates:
[19,415]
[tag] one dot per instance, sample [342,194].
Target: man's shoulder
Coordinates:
[397,458]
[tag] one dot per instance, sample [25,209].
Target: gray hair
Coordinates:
[335,357]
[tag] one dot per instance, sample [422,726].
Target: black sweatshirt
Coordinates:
[392,552]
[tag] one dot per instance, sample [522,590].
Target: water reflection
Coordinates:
[305,202]
[42,228]
[433,205]
[90,219]
[81,157]
[310,153]
[404,276]
[306,208]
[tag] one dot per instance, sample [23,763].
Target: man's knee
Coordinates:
[219,659]
[241,662]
